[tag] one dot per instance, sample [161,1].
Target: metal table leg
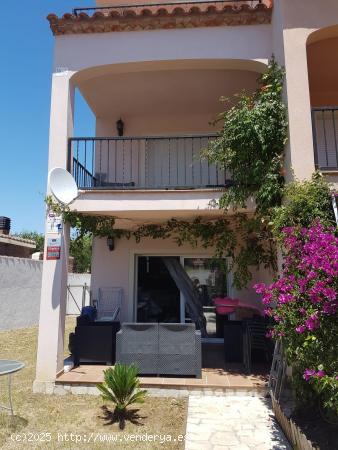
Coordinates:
[10,392]
[10,407]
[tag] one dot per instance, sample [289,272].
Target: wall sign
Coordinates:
[54,223]
[53,248]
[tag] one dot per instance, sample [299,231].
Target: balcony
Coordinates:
[107,8]
[325,137]
[143,163]
[162,14]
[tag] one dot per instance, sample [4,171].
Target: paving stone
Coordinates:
[79,390]
[198,446]
[232,423]
[224,438]
[59,390]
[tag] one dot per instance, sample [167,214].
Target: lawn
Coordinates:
[84,416]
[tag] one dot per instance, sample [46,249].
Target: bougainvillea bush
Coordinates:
[304,305]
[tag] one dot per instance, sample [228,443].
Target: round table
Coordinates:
[7,367]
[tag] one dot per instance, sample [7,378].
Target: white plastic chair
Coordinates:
[109,303]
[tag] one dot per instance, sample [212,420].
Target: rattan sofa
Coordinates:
[160,348]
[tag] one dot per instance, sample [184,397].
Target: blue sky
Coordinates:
[26,51]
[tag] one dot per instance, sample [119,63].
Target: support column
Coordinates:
[290,49]
[299,107]
[55,272]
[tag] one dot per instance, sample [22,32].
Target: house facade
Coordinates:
[153,76]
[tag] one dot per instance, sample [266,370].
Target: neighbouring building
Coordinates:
[153,75]
[13,245]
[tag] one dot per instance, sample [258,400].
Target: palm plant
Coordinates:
[122,387]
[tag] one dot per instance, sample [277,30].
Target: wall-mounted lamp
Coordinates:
[111,243]
[120,127]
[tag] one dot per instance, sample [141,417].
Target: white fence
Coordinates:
[78,292]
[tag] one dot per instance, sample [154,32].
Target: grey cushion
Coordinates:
[179,349]
[165,348]
[138,343]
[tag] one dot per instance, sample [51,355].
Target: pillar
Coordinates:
[55,272]
[289,43]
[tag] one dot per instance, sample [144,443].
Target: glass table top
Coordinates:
[8,366]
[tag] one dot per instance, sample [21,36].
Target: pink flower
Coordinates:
[270,334]
[285,298]
[308,373]
[260,288]
[301,329]
[312,322]
[320,374]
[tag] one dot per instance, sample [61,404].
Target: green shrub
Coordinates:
[121,386]
[304,203]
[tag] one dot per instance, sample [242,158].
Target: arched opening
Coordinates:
[322,51]
[167,109]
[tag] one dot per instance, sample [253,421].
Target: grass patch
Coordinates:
[82,415]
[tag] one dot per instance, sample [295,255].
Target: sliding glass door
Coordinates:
[210,281]
[164,291]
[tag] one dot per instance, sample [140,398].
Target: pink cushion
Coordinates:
[225,301]
[222,310]
[227,305]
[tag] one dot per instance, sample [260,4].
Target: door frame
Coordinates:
[211,340]
[133,278]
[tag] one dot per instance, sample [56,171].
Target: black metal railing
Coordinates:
[77,11]
[82,176]
[325,137]
[143,163]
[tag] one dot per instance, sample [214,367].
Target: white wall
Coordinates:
[20,286]
[249,42]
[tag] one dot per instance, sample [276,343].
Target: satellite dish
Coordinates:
[62,185]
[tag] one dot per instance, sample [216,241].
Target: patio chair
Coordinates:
[137,343]
[180,350]
[255,339]
[94,342]
[109,303]
[233,341]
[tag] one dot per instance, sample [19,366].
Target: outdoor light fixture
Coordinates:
[120,127]
[111,243]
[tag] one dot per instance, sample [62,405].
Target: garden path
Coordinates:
[232,423]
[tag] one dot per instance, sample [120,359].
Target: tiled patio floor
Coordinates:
[232,378]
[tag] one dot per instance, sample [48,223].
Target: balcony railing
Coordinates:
[125,5]
[143,163]
[325,137]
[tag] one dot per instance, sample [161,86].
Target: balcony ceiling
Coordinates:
[164,92]
[323,72]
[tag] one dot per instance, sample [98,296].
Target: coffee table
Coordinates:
[7,368]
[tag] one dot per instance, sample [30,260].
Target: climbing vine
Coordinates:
[241,239]
[251,143]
